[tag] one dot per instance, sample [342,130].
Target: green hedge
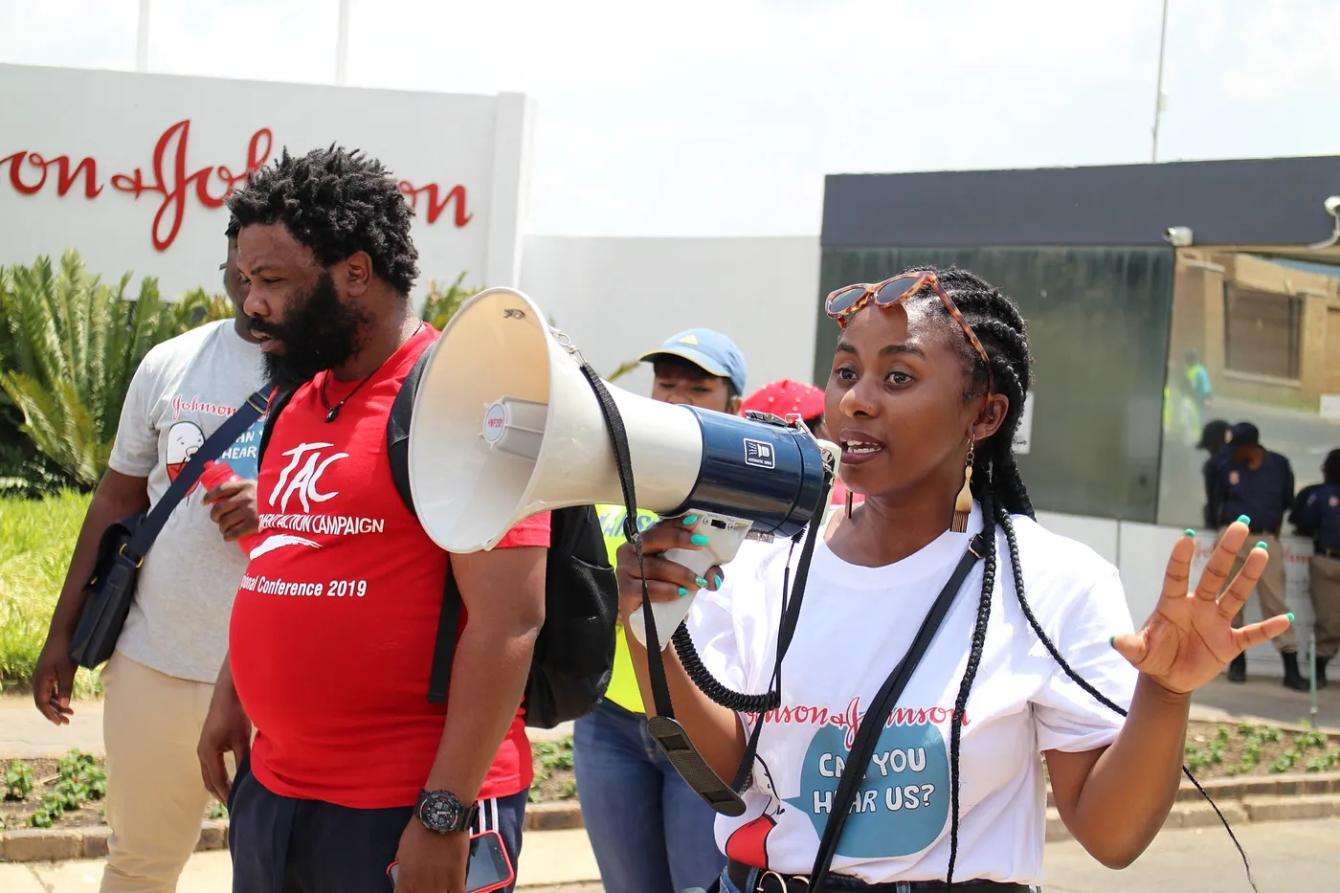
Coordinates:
[36,539]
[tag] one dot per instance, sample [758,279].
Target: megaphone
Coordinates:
[505,425]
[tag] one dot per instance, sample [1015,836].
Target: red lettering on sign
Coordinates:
[65,177]
[435,207]
[171,177]
[173,182]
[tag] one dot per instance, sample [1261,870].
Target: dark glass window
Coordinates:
[1098,329]
[1262,332]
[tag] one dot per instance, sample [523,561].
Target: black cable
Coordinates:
[712,687]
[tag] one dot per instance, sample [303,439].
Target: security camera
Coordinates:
[1178,236]
[1332,205]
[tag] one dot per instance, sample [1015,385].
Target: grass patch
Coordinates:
[554,778]
[36,539]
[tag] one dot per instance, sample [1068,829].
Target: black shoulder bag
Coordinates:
[111,587]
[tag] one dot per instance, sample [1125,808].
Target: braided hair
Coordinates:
[998,486]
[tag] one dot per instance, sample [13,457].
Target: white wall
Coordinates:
[127,129]
[617,297]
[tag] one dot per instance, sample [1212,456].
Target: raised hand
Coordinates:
[1190,637]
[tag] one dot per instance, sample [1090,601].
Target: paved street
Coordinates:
[1287,857]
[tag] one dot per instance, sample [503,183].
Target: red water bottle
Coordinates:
[216,474]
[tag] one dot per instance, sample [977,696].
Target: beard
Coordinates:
[318,332]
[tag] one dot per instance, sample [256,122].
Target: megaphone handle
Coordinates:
[724,536]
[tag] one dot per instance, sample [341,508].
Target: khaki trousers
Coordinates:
[1270,588]
[1325,592]
[155,797]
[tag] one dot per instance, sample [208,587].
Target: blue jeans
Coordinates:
[651,833]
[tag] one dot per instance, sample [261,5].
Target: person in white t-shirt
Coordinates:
[160,679]
[924,397]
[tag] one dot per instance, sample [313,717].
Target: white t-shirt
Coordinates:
[856,624]
[182,392]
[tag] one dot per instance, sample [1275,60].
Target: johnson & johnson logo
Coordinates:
[170,177]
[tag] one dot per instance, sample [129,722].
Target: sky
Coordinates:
[722,118]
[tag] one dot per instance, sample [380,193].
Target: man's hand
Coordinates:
[53,680]
[233,508]
[227,730]
[430,862]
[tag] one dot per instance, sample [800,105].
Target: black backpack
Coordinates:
[574,652]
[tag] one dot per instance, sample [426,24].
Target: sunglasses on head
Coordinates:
[844,302]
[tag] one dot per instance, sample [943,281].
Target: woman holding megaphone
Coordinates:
[975,639]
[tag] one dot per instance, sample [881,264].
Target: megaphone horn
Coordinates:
[505,425]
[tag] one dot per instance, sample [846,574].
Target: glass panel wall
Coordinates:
[1255,337]
[1098,329]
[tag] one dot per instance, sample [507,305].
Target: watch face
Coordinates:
[440,812]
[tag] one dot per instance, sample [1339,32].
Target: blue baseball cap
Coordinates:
[709,350]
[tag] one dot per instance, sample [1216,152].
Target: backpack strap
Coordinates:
[397,451]
[278,401]
[397,430]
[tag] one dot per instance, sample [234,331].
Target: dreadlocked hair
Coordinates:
[999,488]
[334,201]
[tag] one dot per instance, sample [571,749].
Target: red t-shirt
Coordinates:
[333,628]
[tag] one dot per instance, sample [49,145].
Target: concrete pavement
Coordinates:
[1287,857]
[554,860]
[26,733]
[1265,699]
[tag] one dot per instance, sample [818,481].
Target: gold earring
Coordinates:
[849,504]
[963,503]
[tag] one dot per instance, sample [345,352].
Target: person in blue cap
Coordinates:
[650,832]
[700,367]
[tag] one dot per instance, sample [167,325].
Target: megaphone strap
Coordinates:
[663,727]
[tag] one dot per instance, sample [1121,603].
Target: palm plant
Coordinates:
[69,345]
[441,304]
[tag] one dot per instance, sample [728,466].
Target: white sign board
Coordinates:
[132,170]
[1330,407]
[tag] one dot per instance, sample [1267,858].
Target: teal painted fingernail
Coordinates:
[1189,532]
[1112,641]
[1262,546]
[1290,616]
[690,520]
[702,584]
[716,581]
[683,592]
[699,540]
[1244,519]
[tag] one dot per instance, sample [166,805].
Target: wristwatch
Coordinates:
[442,812]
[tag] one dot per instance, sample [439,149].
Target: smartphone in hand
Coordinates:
[489,867]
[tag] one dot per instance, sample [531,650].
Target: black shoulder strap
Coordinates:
[669,735]
[397,451]
[397,429]
[148,529]
[278,401]
[793,593]
[867,736]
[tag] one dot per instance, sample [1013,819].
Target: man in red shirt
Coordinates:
[333,628]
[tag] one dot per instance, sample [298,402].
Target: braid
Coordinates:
[1000,489]
[969,674]
[1001,328]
